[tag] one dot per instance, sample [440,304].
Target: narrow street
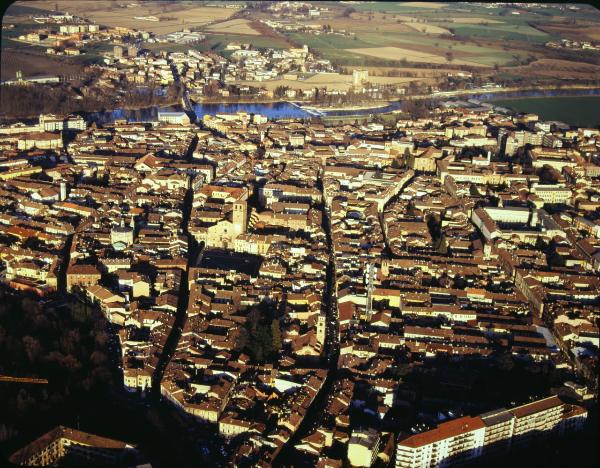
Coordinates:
[287,456]
[181,315]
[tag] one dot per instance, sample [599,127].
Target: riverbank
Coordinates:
[306,105]
[492,91]
[381,104]
[373,106]
[223,101]
[278,109]
[580,111]
[103,110]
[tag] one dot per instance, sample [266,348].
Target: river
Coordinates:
[581,111]
[281,110]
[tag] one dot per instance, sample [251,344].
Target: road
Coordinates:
[185,99]
[182,304]
[287,455]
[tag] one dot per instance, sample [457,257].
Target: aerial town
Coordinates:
[419,290]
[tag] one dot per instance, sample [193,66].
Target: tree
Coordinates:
[261,336]
[540,244]
[242,339]
[434,224]
[33,348]
[411,210]
[50,343]
[211,89]
[443,246]
[276,335]
[549,175]
[280,91]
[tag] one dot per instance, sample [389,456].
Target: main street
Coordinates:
[286,456]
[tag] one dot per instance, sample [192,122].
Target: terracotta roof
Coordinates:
[536,407]
[444,431]
[62,432]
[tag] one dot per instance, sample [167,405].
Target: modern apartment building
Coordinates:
[498,431]
[76,448]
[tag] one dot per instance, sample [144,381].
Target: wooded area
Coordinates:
[44,341]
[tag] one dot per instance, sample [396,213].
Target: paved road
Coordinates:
[287,456]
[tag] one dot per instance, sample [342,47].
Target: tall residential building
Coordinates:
[463,439]
[53,123]
[515,140]
[118,52]
[79,448]
[363,447]
[359,76]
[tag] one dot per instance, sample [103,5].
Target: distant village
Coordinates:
[319,268]
[122,59]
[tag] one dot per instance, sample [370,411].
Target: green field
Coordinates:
[22,10]
[581,111]
[510,32]
[218,42]
[331,47]
[334,47]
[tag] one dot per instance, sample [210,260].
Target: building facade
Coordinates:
[467,438]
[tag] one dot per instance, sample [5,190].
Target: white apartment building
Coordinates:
[53,123]
[363,447]
[466,438]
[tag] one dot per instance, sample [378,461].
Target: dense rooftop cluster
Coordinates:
[313,290]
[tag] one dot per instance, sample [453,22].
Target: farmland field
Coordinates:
[236,26]
[513,32]
[407,39]
[427,28]
[404,71]
[345,50]
[562,69]
[399,6]
[470,36]
[172,17]
[469,20]
[397,53]
[584,31]
[218,42]
[34,64]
